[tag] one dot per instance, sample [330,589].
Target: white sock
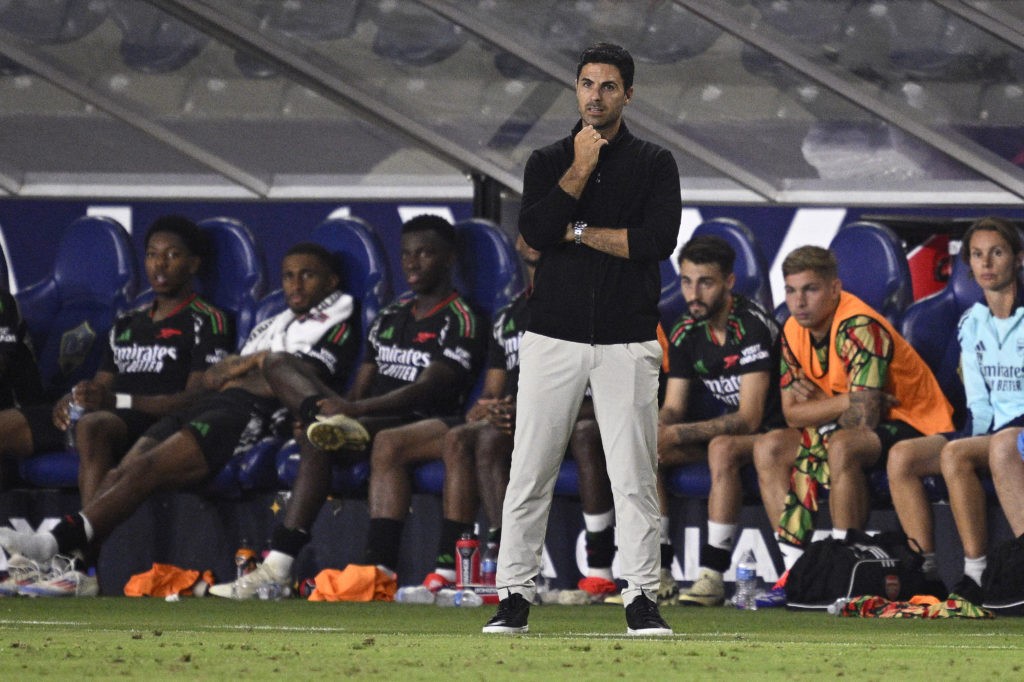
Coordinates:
[595,523]
[87,527]
[605,573]
[279,564]
[721,535]
[839,534]
[666,536]
[973,568]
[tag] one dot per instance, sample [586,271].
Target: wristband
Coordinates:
[123,401]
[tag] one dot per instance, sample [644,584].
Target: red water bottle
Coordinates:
[467,561]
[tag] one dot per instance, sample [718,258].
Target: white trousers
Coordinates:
[553,376]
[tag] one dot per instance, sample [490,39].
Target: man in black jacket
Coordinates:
[602,207]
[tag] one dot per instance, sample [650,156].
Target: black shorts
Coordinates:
[48,438]
[891,433]
[222,423]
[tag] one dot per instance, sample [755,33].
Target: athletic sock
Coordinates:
[451,531]
[384,542]
[595,523]
[600,552]
[288,541]
[69,535]
[973,568]
[721,535]
[309,409]
[715,558]
[667,555]
[839,534]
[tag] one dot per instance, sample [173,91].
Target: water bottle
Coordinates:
[245,560]
[464,598]
[75,412]
[836,607]
[746,582]
[467,561]
[272,591]
[489,564]
[414,594]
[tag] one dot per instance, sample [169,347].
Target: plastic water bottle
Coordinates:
[75,412]
[836,607]
[273,591]
[245,560]
[746,582]
[489,564]
[414,594]
[464,598]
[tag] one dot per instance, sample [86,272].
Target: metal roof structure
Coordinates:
[819,102]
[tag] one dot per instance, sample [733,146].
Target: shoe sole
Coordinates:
[505,630]
[339,433]
[690,600]
[649,632]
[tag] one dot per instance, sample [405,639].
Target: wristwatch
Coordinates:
[577,231]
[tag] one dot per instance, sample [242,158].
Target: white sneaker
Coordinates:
[63,581]
[707,590]
[668,589]
[250,585]
[336,432]
[21,571]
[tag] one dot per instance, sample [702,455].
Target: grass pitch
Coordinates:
[214,639]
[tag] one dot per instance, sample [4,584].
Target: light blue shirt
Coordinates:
[992,362]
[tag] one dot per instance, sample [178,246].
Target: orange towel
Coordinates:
[354,583]
[164,580]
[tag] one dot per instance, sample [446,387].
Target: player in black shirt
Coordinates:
[153,365]
[424,352]
[20,383]
[731,346]
[189,447]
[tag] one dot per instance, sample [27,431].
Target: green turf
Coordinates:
[219,640]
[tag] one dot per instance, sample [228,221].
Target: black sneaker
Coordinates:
[511,616]
[643,618]
[968,590]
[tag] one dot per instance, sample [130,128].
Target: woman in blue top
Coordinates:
[991,336]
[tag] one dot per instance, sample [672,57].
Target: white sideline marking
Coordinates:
[266,628]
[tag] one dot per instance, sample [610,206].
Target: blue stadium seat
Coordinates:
[94,278]
[872,266]
[152,40]
[233,278]
[51,22]
[750,268]
[489,276]
[929,325]
[69,315]
[410,34]
[348,480]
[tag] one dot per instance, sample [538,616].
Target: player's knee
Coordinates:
[387,449]
[724,453]
[276,362]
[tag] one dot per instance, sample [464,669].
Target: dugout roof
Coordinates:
[789,101]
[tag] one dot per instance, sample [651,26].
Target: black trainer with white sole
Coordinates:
[511,618]
[643,618]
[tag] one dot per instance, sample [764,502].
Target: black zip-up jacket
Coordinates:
[581,294]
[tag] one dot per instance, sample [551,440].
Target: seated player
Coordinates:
[188,448]
[152,366]
[854,387]
[731,346]
[990,335]
[424,350]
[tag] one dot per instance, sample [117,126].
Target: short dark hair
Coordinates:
[609,53]
[814,259]
[1006,229]
[329,260]
[431,223]
[709,248]
[187,231]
